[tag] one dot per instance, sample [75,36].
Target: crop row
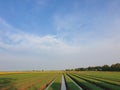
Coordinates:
[84,84]
[91,83]
[70,84]
[113,76]
[103,80]
[63,82]
[56,85]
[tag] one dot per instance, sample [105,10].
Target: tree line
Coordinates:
[113,67]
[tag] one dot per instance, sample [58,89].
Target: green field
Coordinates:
[87,80]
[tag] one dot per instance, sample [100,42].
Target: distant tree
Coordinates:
[115,67]
[90,68]
[106,68]
[77,69]
[83,69]
[98,68]
[67,70]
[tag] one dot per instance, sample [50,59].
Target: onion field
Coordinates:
[97,80]
[84,80]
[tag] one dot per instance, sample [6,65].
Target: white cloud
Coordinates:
[18,48]
[14,39]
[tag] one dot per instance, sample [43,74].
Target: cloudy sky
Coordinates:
[58,34]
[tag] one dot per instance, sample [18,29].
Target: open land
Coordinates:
[52,80]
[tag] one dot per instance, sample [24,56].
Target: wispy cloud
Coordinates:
[21,48]
[15,39]
[77,28]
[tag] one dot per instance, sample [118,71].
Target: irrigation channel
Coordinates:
[63,85]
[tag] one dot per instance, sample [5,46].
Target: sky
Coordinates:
[58,34]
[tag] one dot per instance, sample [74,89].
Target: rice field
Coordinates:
[85,80]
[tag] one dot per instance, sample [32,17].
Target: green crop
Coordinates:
[70,84]
[56,84]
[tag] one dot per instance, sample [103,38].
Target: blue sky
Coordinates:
[58,34]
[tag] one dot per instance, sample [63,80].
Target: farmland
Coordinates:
[26,81]
[83,80]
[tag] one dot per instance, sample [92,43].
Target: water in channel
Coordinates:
[63,86]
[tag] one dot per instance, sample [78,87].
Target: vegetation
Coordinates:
[90,80]
[26,81]
[74,80]
[100,83]
[113,67]
[56,84]
[84,84]
[70,84]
